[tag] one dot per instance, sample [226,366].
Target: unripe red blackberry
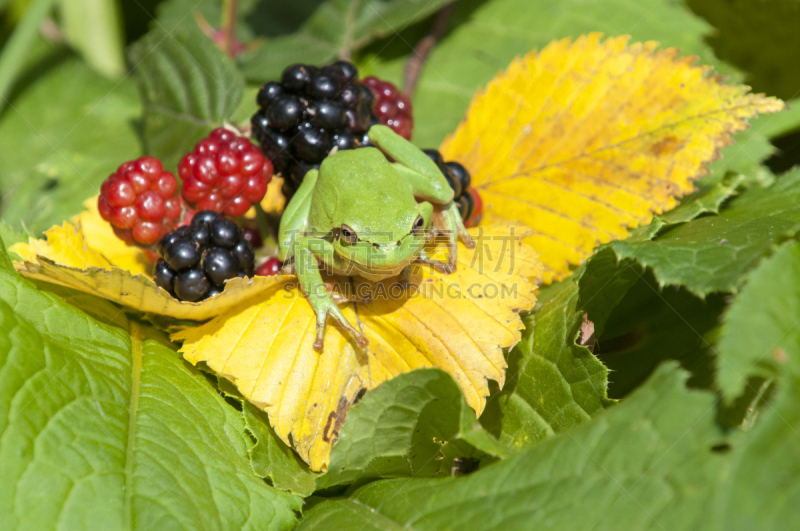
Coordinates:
[198,258]
[392,107]
[225,173]
[271,267]
[477,209]
[141,201]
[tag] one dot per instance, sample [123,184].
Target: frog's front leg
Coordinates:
[294,220]
[427,183]
[307,264]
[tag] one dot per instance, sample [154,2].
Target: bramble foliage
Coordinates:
[654,385]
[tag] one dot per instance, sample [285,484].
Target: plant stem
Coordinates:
[18,44]
[349,27]
[228,26]
[424,46]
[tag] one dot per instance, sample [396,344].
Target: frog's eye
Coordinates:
[419,225]
[348,234]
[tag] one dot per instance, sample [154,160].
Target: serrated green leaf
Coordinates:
[102,429]
[552,384]
[271,458]
[713,253]
[61,137]
[336,28]
[484,37]
[414,425]
[765,481]
[187,86]
[760,338]
[645,464]
[760,333]
[709,197]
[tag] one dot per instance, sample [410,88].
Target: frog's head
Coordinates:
[380,244]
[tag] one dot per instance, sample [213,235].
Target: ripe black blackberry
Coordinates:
[310,112]
[468,200]
[198,258]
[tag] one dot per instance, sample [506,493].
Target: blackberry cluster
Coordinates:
[468,200]
[314,110]
[392,107]
[224,173]
[141,201]
[198,258]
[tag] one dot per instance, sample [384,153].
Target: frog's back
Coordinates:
[356,181]
[362,174]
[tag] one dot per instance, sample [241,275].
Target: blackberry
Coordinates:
[469,202]
[477,210]
[225,173]
[253,235]
[271,267]
[141,201]
[392,107]
[312,111]
[198,258]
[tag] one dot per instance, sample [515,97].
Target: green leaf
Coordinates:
[552,384]
[271,458]
[61,137]
[270,18]
[188,87]
[485,36]
[414,425]
[104,429]
[708,198]
[765,481]
[645,464]
[336,28]
[760,333]
[11,236]
[713,253]
[755,36]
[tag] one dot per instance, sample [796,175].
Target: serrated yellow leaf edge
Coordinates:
[64,257]
[98,235]
[64,244]
[266,349]
[589,138]
[139,292]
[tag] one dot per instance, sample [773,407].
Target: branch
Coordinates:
[424,46]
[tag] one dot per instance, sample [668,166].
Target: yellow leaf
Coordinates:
[588,139]
[66,259]
[98,234]
[65,245]
[460,323]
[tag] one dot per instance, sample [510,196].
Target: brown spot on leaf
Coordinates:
[335,421]
[780,355]
[666,146]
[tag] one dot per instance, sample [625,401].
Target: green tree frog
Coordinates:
[361,214]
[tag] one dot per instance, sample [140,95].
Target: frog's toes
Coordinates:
[361,341]
[469,243]
[445,268]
